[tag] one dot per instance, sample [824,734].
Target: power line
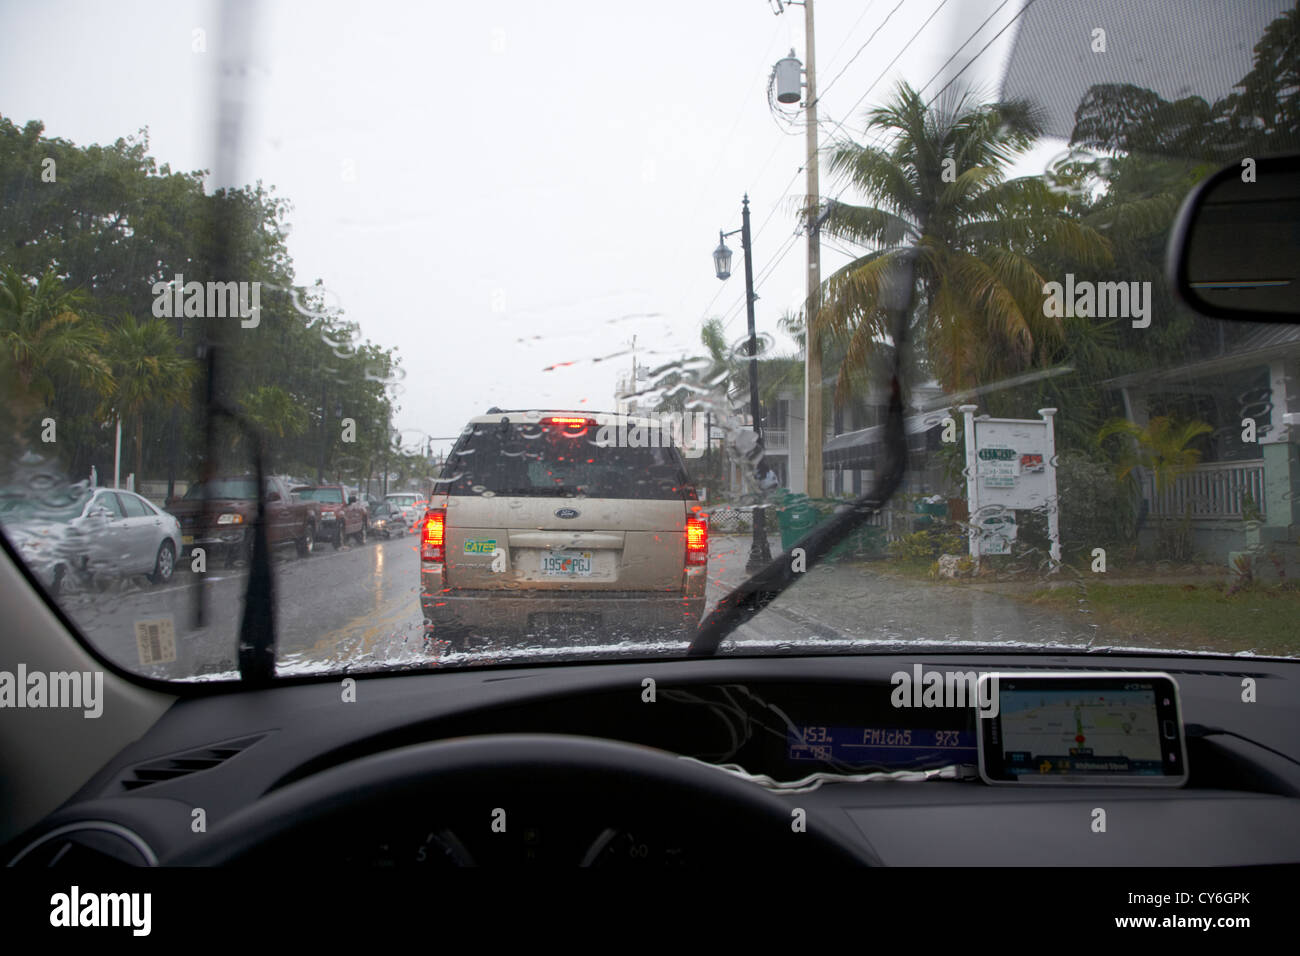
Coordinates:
[768,268]
[962,47]
[896,58]
[822,95]
[939,71]
[826,89]
[838,126]
[852,29]
[1018,15]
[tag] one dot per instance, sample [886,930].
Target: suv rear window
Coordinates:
[327,495]
[528,459]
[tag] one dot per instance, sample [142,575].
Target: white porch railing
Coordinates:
[776,439]
[1216,490]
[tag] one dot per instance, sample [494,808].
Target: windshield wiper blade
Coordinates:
[763,587]
[760,589]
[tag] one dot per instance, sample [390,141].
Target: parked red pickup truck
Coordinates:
[219,514]
[341,515]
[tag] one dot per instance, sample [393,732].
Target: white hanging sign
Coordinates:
[1010,467]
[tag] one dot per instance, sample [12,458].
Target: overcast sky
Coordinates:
[495,188]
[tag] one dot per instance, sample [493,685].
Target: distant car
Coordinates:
[412,505]
[386,519]
[549,528]
[342,516]
[87,532]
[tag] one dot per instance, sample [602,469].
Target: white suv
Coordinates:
[410,504]
[548,524]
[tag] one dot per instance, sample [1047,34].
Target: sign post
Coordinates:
[1010,467]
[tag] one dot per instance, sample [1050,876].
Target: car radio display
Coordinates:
[882,746]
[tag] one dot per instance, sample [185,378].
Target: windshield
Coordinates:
[536,459]
[231,488]
[59,506]
[329,495]
[702,394]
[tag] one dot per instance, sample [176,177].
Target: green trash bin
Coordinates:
[799,514]
[796,515]
[930,513]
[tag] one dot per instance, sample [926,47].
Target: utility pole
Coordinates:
[812,387]
[812,375]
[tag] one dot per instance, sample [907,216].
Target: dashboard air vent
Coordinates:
[183,764]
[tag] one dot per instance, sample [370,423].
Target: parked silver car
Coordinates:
[90,532]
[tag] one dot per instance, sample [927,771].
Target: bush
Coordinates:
[1096,511]
[927,545]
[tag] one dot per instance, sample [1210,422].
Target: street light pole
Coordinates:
[760,553]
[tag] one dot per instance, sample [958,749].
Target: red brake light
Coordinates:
[572,427]
[433,539]
[697,541]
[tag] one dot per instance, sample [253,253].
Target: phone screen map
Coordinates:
[1115,731]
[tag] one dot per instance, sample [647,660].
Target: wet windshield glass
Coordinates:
[872,322]
[329,495]
[539,459]
[228,488]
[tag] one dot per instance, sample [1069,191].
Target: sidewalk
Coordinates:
[856,602]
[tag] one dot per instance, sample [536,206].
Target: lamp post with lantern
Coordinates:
[760,554]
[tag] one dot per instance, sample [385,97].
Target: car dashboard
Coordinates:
[916,801]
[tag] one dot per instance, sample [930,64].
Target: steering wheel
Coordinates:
[730,820]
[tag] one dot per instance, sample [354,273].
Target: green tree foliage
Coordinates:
[102,228]
[148,376]
[940,193]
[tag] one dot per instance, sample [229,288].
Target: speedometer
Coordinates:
[442,848]
[627,848]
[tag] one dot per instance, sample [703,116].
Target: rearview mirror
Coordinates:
[1234,251]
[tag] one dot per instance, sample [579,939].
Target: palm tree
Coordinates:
[147,372]
[1163,446]
[45,335]
[941,196]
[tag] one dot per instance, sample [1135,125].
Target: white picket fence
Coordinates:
[1216,490]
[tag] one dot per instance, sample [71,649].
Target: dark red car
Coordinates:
[342,516]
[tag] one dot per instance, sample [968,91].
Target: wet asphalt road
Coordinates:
[360,605]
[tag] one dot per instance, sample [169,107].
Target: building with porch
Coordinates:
[1243,495]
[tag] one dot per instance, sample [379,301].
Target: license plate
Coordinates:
[187,539]
[570,564]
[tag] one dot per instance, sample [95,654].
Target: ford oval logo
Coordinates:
[566,513]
